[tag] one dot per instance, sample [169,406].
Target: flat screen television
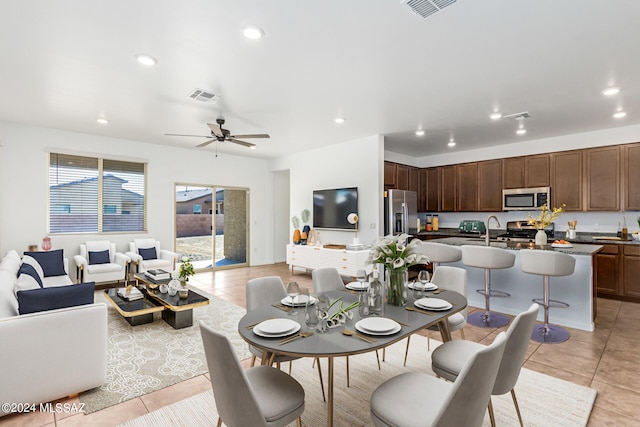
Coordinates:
[331,208]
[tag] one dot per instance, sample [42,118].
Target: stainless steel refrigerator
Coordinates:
[400,212]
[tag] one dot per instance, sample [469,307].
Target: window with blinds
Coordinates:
[95,195]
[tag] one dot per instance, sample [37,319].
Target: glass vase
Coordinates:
[396,286]
[541,238]
[183,291]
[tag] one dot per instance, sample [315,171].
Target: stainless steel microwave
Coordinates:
[525,199]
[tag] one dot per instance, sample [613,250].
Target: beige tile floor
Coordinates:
[606,360]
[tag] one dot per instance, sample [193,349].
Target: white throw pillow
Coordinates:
[11,265]
[25,282]
[8,301]
[32,261]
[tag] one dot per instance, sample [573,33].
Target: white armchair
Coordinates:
[99,262]
[147,254]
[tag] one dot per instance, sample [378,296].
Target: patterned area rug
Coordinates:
[145,358]
[544,401]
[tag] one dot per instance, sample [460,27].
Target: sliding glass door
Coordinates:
[211,225]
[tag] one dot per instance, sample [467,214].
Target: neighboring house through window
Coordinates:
[197,209]
[88,194]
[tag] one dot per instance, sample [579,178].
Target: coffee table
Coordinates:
[178,312]
[136,312]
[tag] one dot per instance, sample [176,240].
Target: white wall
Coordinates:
[281,199]
[357,163]
[24,186]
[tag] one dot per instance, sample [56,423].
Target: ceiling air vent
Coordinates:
[518,116]
[203,96]
[426,8]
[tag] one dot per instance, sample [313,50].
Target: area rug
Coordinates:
[544,401]
[145,358]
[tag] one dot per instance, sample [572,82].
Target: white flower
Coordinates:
[398,262]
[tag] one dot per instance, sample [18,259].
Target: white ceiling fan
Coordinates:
[218,133]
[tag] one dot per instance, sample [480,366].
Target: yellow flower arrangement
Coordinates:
[546,216]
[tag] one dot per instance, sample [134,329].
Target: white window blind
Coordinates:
[95,195]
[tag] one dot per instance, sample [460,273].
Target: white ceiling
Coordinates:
[385,69]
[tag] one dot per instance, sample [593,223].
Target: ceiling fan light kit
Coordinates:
[219,134]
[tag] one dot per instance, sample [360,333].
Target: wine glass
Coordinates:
[293,290]
[361,277]
[423,277]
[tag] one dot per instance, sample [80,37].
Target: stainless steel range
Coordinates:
[521,231]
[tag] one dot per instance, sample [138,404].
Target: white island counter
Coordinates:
[577,289]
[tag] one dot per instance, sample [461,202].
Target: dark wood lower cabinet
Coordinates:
[617,272]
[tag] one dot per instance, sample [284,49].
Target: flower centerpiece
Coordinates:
[396,255]
[544,220]
[184,272]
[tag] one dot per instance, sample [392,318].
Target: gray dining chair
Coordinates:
[326,280]
[449,279]
[448,359]
[266,291]
[416,398]
[260,396]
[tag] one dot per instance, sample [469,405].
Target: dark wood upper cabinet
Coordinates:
[414,180]
[402,177]
[490,186]
[536,169]
[513,173]
[467,187]
[389,174]
[432,197]
[447,175]
[566,179]
[422,190]
[631,177]
[603,178]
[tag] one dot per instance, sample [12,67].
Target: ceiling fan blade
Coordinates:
[180,134]
[255,135]
[204,144]
[237,141]
[215,129]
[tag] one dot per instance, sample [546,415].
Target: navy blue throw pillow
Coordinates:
[52,262]
[101,257]
[31,271]
[148,253]
[35,300]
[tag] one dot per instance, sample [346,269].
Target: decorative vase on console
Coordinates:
[297,237]
[541,237]
[305,214]
[396,256]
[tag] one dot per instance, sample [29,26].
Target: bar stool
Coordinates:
[439,253]
[489,258]
[545,264]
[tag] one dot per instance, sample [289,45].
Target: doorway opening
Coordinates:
[212,225]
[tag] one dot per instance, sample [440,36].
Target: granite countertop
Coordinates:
[576,249]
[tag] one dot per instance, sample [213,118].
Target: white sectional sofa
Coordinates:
[51,354]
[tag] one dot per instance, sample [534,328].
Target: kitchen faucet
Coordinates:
[486,237]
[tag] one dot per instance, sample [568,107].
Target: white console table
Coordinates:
[346,262]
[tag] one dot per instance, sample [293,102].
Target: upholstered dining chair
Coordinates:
[147,254]
[99,262]
[260,396]
[449,359]
[326,280]
[416,398]
[450,279]
[265,291]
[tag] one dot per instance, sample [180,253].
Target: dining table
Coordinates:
[334,343]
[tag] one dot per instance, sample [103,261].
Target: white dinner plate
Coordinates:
[275,328]
[377,324]
[417,286]
[368,332]
[357,286]
[299,301]
[433,304]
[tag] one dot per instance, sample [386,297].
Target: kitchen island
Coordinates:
[577,289]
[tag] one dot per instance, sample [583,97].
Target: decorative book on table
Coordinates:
[158,274]
[130,294]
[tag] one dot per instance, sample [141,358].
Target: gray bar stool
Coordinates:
[545,264]
[489,258]
[439,253]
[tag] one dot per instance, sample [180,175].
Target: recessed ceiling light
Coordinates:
[145,59]
[619,114]
[253,32]
[102,121]
[611,91]
[521,131]
[451,143]
[419,132]
[339,120]
[253,147]
[495,116]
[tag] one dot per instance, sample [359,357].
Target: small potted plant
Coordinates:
[186,270]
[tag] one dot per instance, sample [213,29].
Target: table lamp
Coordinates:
[352,218]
